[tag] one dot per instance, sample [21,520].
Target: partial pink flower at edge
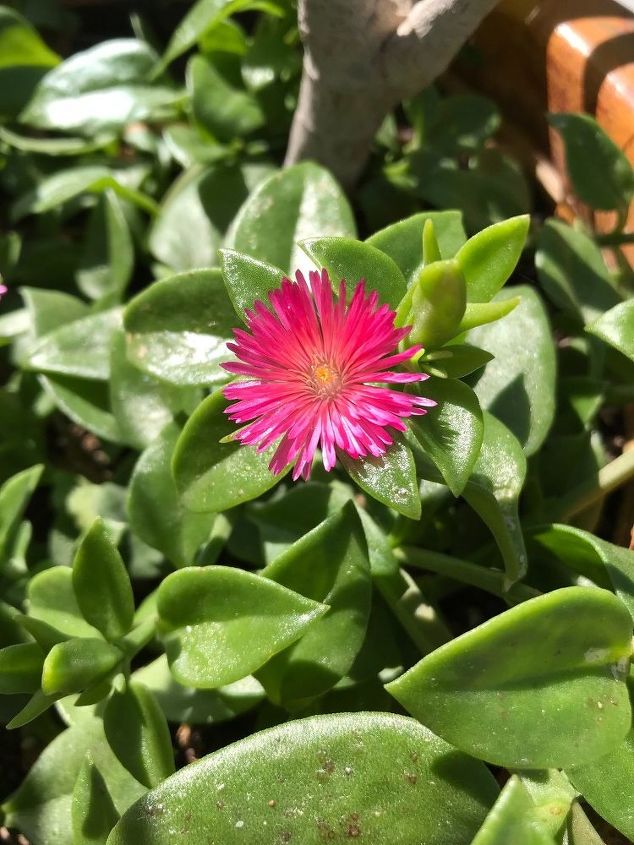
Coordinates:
[312,364]
[3,289]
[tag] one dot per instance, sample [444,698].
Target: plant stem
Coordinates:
[610,477]
[490,580]
[615,238]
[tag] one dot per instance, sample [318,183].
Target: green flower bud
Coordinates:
[434,304]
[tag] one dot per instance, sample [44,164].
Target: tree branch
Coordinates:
[361,57]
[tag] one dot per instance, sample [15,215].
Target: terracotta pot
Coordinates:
[537,56]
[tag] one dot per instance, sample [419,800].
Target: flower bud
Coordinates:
[434,304]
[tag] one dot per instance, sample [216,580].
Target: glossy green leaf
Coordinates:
[329,565]
[571,270]
[50,309]
[215,476]
[101,583]
[99,89]
[201,18]
[209,614]
[65,185]
[14,498]
[494,695]
[20,44]
[300,202]
[85,401]
[580,831]
[137,732]
[488,259]
[42,806]
[403,241]
[220,103]
[194,706]
[154,507]
[372,775]
[108,253]
[45,635]
[51,598]
[451,433]
[197,210]
[518,386]
[616,327]
[605,784]
[80,348]
[141,404]
[455,361]
[390,479]
[345,258]
[600,172]
[601,562]
[431,247]
[493,491]
[247,279]
[480,313]
[513,819]
[92,811]
[553,795]
[76,664]
[177,328]
[20,668]
[62,146]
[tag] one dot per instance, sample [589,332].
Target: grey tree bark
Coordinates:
[361,57]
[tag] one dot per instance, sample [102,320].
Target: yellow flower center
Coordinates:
[324,379]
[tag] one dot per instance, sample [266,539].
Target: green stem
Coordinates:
[138,637]
[610,477]
[417,616]
[491,580]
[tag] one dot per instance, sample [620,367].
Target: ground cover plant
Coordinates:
[310,560]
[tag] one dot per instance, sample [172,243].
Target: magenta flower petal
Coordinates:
[312,365]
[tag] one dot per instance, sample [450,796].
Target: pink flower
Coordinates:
[312,364]
[3,289]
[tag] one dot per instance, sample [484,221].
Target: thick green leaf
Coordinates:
[601,562]
[137,732]
[85,401]
[20,668]
[513,819]
[518,386]
[220,624]
[403,241]
[375,776]
[451,433]
[571,270]
[198,707]
[142,405]
[488,259]
[600,172]
[345,258]
[92,811]
[76,664]
[51,598]
[493,491]
[434,304]
[99,89]
[390,479]
[455,361]
[196,211]
[177,328]
[14,498]
[80,348]
[247,279]
[155,511]
[101,583]
[496,696]
[65,185]
[580,831]
[222,107]
[616,327]
[329,565]
[50,309]
[606,784]
[108,254]
[301,202]
[62,146]
[215,476]
[41,808]
[480,313]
